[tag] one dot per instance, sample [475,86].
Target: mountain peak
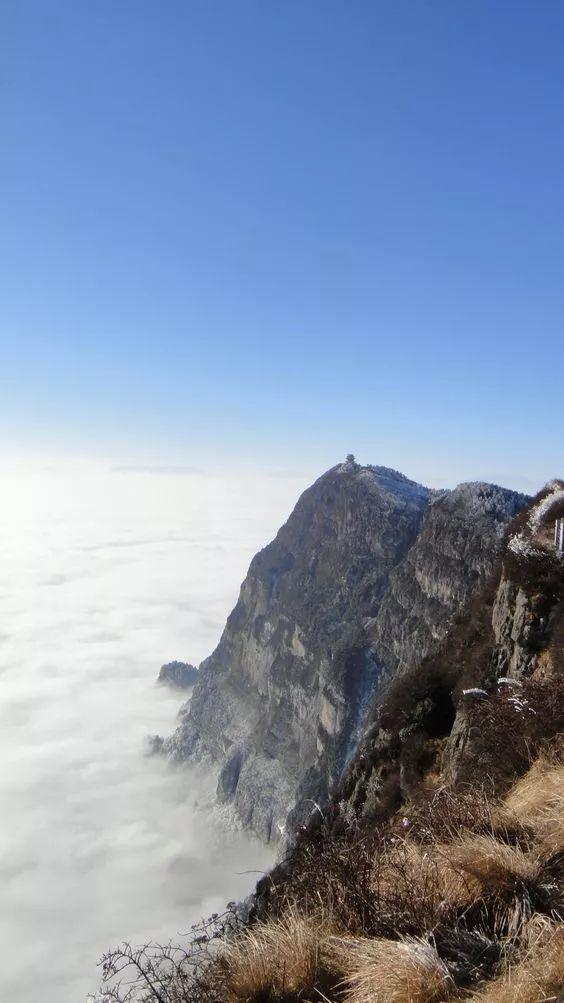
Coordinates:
[379,477]
[361,580]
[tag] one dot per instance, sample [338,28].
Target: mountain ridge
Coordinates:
[360,582]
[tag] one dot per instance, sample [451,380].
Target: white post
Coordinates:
[559,536]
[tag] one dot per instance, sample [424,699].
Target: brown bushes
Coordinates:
[442,815]
[418,887]
[510,730]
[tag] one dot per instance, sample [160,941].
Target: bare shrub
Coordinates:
[442,815]
[168,973]
[416,888]
[509,733]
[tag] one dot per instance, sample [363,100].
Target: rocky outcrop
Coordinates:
[179,675]
[516,624]
[526,621]
[361,582]
[460,539]
[492,693]
[529,588]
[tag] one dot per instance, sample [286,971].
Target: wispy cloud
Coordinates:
[172,470]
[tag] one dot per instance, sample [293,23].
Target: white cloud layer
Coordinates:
[104,575]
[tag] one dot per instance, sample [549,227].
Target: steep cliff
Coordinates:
[526,640]
[361,582]
[490,693]
[455,551]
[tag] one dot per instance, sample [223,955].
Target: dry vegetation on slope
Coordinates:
[436,872]
[407,914]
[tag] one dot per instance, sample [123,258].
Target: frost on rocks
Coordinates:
[520,705]
[522,548]
[347,812]
[521,543]
[541,511]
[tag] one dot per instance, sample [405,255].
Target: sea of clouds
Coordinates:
[104,575]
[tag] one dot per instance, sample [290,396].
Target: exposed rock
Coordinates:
[527,600]
[528,589]
[361,582]
[154,745]
[460,540]
[180,675]
[229,776]
[514,623]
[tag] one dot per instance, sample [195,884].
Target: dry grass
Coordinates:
[276,961]
[542,783]
[387,971]
[492,868]
[444,815]
[457,891]
[537,978]
[503,878]
[538,800]
[418,886]
[430,883]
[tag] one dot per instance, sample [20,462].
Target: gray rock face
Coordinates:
[362,580]
[460,539]
[515,624]
[180,675]
[526,604]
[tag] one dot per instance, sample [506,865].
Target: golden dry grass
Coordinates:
[537,978]
[276,960]
[387,971]
[531,794]
[421,881]
[491,867]
[538,800]
[459,880]
[432,882]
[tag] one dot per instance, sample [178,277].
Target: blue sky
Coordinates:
[272,232]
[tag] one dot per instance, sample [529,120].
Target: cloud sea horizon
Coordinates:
[106,574]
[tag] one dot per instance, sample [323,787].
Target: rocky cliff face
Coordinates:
[362,581]
[527,624]
[459,541]
[484,701]
[526,603]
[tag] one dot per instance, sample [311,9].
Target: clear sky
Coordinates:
[272,232]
